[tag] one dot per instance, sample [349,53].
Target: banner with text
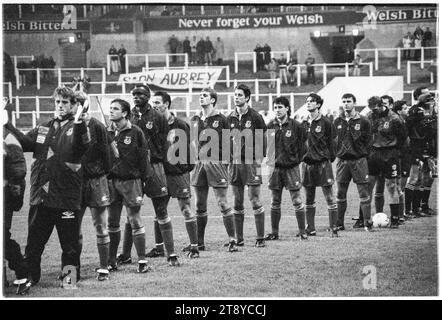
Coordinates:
[44,26]
[175,79]
[284,20]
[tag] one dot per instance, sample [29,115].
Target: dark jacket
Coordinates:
[252,121]
[353,139]
[388,130]
[96,161]
[288,142]
[422,131]
[56,173]
[321,134]
[133,154]
[176,124]
[215,121]
[155,128]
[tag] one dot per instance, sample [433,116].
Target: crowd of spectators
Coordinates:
[202,51]
[118,59]
[416,40]
[30,78]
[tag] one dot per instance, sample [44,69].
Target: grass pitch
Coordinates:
[405,259]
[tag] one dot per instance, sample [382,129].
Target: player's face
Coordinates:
[115,112]
[140,99]
[205,99]
[239,98]
[280,110]
[158,104]
[404,111]
[312,105]
[348,104]
[386,104]
[64,107]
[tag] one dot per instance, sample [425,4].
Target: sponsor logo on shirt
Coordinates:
[149,125]
[357,126]
[215,124]
[69,132]
[288,134]
[248,124]
[68,215]
[318,129]
[127,140]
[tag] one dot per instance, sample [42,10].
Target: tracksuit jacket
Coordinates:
[353,139]
[290,138]
[422,130]
[155,128]
[251,120]
[321,134]
[388,130]
[56,173]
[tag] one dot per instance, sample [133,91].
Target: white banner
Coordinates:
[176,79]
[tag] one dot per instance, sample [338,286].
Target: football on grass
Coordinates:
[380,220]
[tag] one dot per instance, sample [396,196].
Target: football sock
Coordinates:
[333,217]
[310,211]
[157,234]
[80,244]
[103,251]
[401,205]
[127,240]
[139,236]
[342,207]
[259,222]
[366,208]
[379,203]
[408,199]
[113,246]
[425,198]
[167,233]
[191,231]
[201,222]
[416,202]
[239,224]
[229,224]
[300,218]
[275,217]
[394,208]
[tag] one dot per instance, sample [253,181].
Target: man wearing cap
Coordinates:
[177,166]
[422,131]
[210,168]
[248,150]
[96,164]
[353,144]
[56,177]
[155,128]
[317,164]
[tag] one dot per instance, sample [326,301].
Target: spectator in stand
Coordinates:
[186,48]
[173,46]
[8,68]
[193,58]
[309,62]
[219,51]
[51,64]
[122,57]
[426,39]
[267,56]
[114,59]
[174,12]
[356,66]
[292,70]
[272,67]
[208,49]
[282,62]
[417,46]
[407,41]
[418,32]
[165,12]
[259,57]
[200,50]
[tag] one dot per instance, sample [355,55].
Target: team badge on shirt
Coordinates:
[69,132]
[127,140]
[232,125]
[288,134]
[339,127]
[357,126]
[318,129]
[386,125]
[215,124]
[149,125]
[248,124]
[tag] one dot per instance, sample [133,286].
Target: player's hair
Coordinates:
[212,92]
[374,101]
[285,102]
[390,99]
[165,96]
[65,92]
[317,98]
[244,89]
[81,97]
[397,105]
[418,91]
[349,95]
[125,106]
[142,88]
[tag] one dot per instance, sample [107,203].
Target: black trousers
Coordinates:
[12,251]
[41,223]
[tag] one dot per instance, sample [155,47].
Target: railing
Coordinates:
[421,63]
[9,84]
[146,57]
[398,54]
[59,74]
[254,57]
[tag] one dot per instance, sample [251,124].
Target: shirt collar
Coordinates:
[171,118]
[310,119]
[211,114]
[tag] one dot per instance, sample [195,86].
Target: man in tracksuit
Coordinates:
[422,130]
[56,178]
[353,144]
[177,166]
[14,172]
[96,164]
[155,128]
[286,140]
[129,170]
[389,135]
[248,149]
[317,169]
